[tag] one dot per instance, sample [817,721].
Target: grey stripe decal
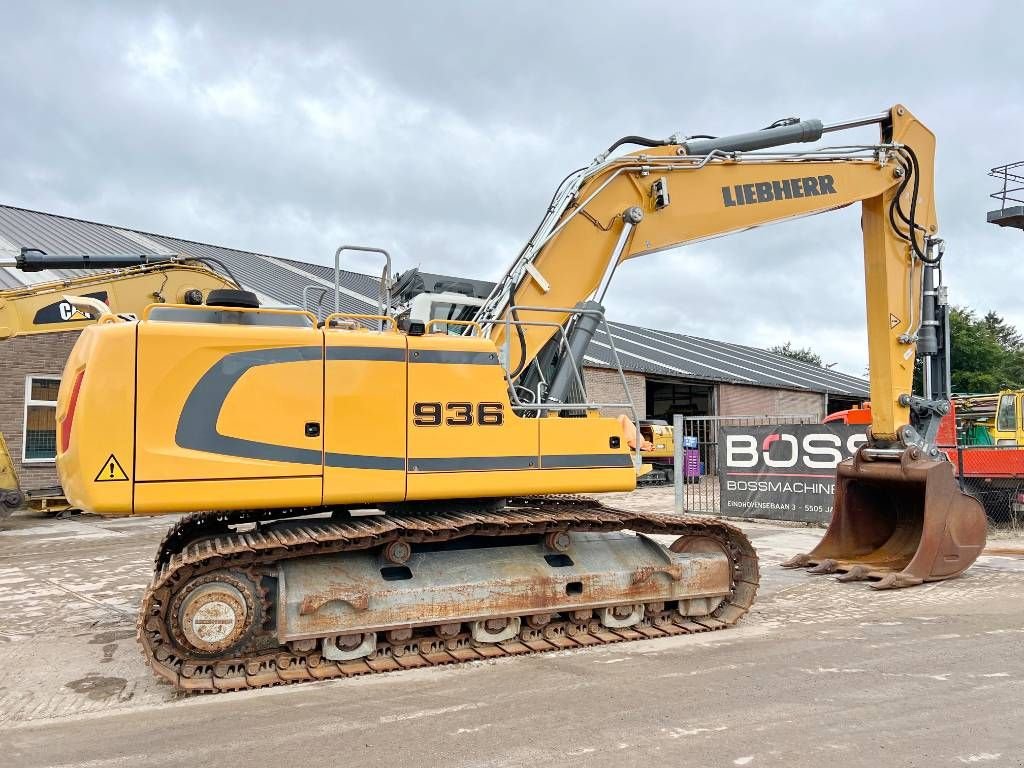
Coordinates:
[197,425]
[473,463]
[354,461]
[582,460]
[480,463]
[457,358]
[376,354]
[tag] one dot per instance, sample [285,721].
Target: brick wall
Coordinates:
[605,386]
[38,354]
[740,400]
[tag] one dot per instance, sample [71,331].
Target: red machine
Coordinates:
[995,474]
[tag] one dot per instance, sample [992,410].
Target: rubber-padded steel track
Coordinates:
[204,542]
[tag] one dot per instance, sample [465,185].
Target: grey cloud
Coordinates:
[440,129]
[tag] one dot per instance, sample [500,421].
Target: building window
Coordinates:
[40,442]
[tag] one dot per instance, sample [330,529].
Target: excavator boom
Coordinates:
[629,206]
[136,282]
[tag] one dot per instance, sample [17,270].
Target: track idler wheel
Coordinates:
[899,522]
[216,613]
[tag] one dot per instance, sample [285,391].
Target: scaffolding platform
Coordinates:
[1010,195]
[1008,217]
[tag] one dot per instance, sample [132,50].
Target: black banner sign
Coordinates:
[783,472]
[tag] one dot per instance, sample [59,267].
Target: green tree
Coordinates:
[1008,337]
[804,355]
[986,353]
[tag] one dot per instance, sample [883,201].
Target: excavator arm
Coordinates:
[664,197]
[898,515]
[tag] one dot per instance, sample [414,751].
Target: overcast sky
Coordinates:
[438,130]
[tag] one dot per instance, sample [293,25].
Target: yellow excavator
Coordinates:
[125,285]
[365,499]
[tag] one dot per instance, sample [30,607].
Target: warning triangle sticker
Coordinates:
[893,320]
[111,471]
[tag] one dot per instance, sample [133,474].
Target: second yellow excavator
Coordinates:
[364,499]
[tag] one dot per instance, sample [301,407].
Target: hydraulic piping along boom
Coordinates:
[679,191]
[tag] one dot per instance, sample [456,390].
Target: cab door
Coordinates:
[1006,430]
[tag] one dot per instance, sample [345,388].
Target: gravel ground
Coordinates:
[818,672]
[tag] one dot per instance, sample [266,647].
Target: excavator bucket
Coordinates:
[898,522]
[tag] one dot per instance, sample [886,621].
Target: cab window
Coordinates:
[442,310]
[1006,418]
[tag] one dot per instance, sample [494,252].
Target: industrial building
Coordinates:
[666,372]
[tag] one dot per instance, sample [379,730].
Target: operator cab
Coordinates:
[421,297]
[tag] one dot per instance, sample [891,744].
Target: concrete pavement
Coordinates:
[818,673]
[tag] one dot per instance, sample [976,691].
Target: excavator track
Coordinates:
[207,543]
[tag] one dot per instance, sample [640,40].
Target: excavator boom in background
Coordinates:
[364,499]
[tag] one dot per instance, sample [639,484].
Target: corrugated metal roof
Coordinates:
[365,285]
[56,234]
[8,279]
[648,350]
[263,274]
[644,350]
[61,235]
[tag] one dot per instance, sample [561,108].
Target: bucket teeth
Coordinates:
[797,561]
[856,573]
[825,566]
[896,581]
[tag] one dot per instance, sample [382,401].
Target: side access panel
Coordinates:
[364,417]
[464,439]
[223,416]
[585,455]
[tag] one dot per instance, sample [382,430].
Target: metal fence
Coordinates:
[994,474]
[1011,178]
[701,494]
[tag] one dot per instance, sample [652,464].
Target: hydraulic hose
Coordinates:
[639,140]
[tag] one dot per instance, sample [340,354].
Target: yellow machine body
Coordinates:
[8,480]
[235,412]
[405,418]
[41,308]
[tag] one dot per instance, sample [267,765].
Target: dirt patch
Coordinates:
[97,687]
